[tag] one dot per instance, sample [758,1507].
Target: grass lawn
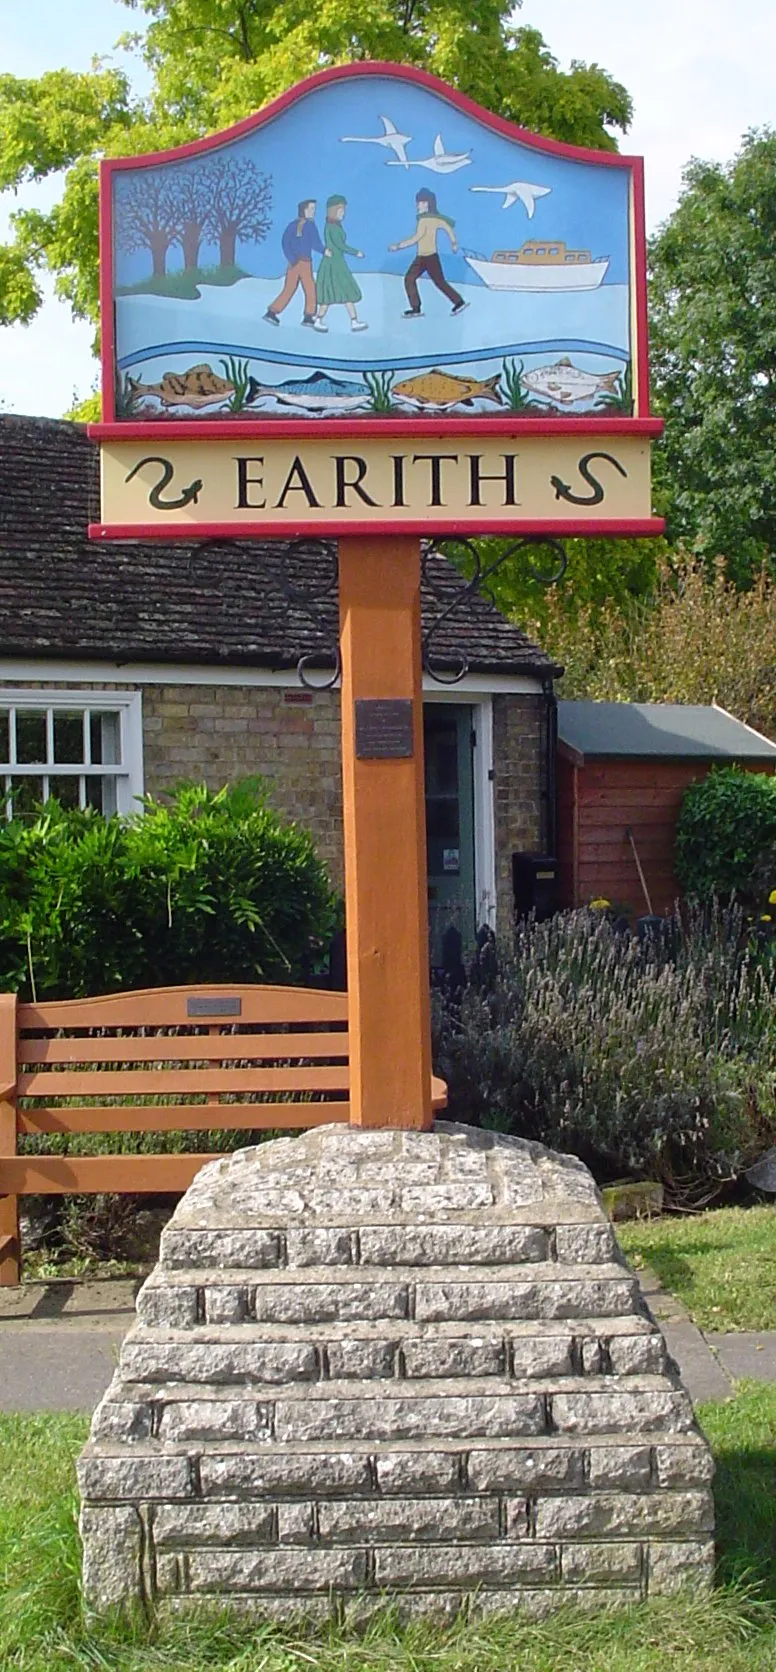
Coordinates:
[722,1265]
[41,1628]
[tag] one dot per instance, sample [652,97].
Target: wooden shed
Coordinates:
[626,766]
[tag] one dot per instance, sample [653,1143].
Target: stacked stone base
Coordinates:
[410,1365]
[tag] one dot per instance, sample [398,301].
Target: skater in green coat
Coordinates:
[335,282]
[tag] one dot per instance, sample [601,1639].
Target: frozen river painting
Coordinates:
[373,246]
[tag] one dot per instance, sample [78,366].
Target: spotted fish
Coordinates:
[199,386]
[442,389]
[564,383]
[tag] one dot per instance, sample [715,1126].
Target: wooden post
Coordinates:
[385,833]
[10,1249]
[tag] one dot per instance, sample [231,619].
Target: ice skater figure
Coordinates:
[431,222]
[335,283]
[299,240]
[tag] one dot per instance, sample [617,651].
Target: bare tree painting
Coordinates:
[192,192]
[240,204]
[219,199]
[148,214]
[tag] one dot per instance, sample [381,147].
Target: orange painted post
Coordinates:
[10,1251]
[385,833]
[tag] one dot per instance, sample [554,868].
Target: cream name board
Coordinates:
[275,486]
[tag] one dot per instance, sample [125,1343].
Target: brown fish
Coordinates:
[438,388]
[199,386]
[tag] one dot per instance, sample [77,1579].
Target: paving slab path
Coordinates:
[59,1344]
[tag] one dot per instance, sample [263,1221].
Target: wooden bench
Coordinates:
[165,1059]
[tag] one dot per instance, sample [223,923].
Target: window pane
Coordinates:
[68,737]
[106,740]
[30,736]
[101,793]
[65,790]
[5,753]
[26,797]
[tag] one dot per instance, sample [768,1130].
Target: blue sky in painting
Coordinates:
[302,150]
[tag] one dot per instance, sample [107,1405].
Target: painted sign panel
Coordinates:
[373,248]
[211,488]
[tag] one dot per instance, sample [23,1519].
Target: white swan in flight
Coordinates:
[391,138]
[519,190]
[442,162]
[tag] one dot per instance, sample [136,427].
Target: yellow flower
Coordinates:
[772,897]
[600,904]
[766,917]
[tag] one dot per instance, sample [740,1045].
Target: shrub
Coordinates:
[695,640]
[210,887]
[726,835]
[648,1060]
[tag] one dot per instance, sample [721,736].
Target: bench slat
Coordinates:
[166,1007]
[152,1081]
[63,1175]
[172,1048]
[182,1117]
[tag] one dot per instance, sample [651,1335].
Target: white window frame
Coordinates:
[127,773]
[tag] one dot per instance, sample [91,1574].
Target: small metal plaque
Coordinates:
[384,728]
[214,1006]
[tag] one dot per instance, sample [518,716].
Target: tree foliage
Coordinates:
[713,288]
[215,61]
[697,639]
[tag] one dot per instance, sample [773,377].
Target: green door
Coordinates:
[448,733]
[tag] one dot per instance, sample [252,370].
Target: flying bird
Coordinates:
[392,139]
[520,190]
[442,162]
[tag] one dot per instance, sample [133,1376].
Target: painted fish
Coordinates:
[564,383]
[438,388]
[316,393]
[199,386]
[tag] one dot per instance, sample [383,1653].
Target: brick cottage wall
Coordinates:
[291,738]
[218,733]
[519,773]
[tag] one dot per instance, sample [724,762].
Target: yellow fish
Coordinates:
[437,388]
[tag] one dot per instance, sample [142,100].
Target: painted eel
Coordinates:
[563,489]
[185,497]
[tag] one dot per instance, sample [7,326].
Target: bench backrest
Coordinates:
[194,1058]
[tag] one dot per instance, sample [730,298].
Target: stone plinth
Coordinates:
[393,1362]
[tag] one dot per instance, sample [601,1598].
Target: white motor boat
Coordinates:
[539,266]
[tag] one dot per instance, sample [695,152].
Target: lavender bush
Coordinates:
[650,1060]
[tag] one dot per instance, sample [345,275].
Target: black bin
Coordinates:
[534,884]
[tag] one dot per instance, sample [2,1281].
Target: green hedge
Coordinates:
[726,836]
[207,887]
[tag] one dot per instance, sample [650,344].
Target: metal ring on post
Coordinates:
[309,600]
[328,682]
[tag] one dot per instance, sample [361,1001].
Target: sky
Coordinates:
[700,73]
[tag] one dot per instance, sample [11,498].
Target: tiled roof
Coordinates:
[62,595]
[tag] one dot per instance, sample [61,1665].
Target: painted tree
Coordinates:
[239,203]
[214,61]
[148,215]
[191,187]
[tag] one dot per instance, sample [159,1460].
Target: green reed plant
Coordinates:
[649,1059]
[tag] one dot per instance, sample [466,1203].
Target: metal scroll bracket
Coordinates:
[454,595]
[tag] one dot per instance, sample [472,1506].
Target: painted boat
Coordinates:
[540,265]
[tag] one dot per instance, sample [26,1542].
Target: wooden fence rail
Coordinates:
[242,1058]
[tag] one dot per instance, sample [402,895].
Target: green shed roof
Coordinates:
[677,731]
